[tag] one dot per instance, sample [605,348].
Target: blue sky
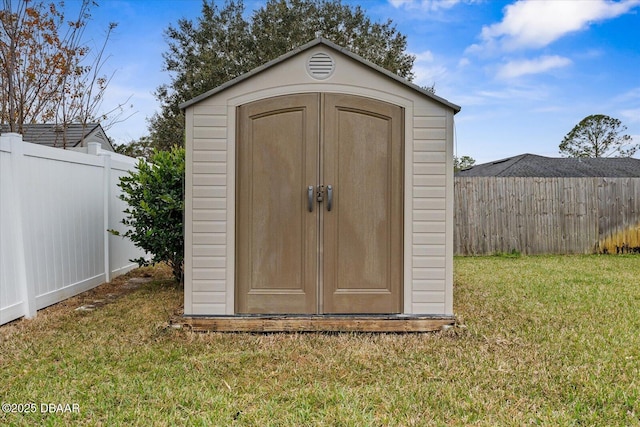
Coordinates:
[524,72]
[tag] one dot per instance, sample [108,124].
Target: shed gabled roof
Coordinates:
[311,44]
[531,165]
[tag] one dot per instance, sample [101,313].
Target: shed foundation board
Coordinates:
[334,323]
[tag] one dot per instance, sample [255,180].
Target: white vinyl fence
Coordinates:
[55,209]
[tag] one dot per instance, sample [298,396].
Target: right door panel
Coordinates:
[362,234]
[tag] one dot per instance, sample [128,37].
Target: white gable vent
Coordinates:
[320,66]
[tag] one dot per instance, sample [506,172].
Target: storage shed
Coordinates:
[319,196]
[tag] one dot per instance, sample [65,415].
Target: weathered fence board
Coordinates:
[55,208]
[546,215]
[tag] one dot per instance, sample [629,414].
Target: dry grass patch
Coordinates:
[548,340]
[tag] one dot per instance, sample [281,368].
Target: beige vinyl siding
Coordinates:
[429,213]
[209,210]
[426,285]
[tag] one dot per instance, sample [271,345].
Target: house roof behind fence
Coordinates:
[531,165]
[51,135]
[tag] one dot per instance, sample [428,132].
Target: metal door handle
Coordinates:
[329,197]
[310,198]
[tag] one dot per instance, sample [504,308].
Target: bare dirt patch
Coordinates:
[93,299]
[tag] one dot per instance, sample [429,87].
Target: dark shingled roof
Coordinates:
[51,134]
[531,165]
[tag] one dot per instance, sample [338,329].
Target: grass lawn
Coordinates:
[550,340]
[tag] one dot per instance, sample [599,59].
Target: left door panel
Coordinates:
[276,235]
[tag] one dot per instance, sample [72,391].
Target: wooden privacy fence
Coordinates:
[546,215]
[55,208]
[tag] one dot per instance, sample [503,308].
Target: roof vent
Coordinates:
[320,66]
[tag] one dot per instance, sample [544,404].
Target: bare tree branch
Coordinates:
[47,72]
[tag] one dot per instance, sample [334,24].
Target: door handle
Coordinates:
[310,198]
[329,197]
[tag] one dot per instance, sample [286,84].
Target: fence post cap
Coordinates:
[93,148]
[11,136]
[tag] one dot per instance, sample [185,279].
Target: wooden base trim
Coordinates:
[329,323]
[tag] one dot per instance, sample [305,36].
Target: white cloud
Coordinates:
[427,70]
[589,54]
[468,100]
[139,105]
[427,5]
[628,104]
[542,64]
[522,94]
[429,75]
[500,97]
[550,109]
[535,24]
[631,115]
[426,56]
[632,94]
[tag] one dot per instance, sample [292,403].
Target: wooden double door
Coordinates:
[319,205]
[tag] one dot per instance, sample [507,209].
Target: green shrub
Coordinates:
[155,195]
